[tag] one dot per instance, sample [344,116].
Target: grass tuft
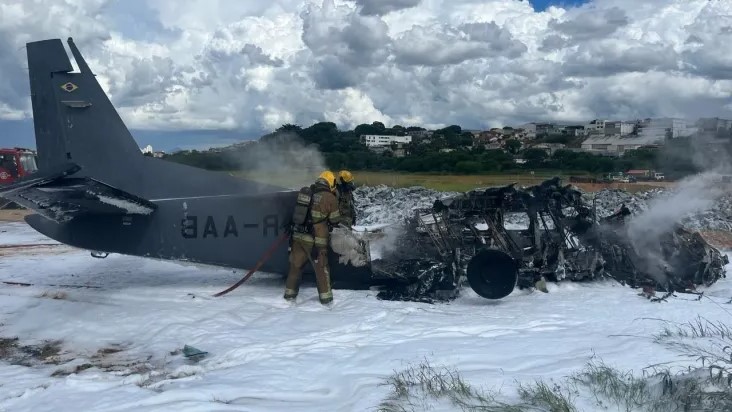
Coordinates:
[546,397]
[706,385]
[420,387]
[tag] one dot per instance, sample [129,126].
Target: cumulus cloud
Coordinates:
[248,67]
[381,7]
[591,24]
[440,44]
[608,58]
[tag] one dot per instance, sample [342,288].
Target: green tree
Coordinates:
[289,128]
[513,146]
[468,167]
[535,155]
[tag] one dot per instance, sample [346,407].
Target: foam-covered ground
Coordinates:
[265,354]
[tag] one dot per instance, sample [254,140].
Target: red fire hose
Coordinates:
[259,264]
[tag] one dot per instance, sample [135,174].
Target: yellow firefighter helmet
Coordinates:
[329,178]
[346,176]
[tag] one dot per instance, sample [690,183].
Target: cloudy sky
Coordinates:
[202,72]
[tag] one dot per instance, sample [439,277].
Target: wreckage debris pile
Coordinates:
[609,200]
[379,205]
[718,217]
[385,205]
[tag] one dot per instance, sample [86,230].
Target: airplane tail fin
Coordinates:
[74,120]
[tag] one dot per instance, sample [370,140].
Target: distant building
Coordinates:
[661,128]
[617,146]
[147,150]
[159,154]
[596,126]
[373,140]
[713,125]
[618,128]
[529,129]
[508,132]
[545,128]
[549,148]
[489,136]
[575,130]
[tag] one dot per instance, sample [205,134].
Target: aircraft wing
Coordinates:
[59,196]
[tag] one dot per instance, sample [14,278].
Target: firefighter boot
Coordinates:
[322,278]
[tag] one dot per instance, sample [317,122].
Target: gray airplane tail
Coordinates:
[89,163]
[74,120]
[86,155]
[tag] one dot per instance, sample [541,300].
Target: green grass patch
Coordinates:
[440,182]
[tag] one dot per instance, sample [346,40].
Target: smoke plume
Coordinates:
[694,194]
[386,246]
[646,230]
[282,159]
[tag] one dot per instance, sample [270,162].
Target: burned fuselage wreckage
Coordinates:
[474,237]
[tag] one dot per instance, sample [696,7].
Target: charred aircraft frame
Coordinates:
[466,237]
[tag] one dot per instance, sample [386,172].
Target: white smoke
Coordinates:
[692,195]
[283,159]
[387,241]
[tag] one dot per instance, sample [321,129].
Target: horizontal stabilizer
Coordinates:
[61,198]
[39,178]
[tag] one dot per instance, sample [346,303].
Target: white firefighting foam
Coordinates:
[120,338]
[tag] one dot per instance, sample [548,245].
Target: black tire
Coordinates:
[492,274]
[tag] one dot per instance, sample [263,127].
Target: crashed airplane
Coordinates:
[95,190]
[466,237]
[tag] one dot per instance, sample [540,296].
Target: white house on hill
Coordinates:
[374,140]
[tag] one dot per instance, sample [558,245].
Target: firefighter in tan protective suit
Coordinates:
[314,230]
[346,205]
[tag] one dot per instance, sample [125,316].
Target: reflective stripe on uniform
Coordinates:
[335,216]
[290,292]
[317,215]
[302,237]
[326,295]
[321,241]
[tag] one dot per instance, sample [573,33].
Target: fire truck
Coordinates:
[15,163]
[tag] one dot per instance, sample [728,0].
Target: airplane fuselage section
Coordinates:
[215,226]
[228,231]
[232,231]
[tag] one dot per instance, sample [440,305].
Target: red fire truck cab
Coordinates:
[16,163]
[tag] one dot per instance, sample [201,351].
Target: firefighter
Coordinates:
[346,205]
[322,215]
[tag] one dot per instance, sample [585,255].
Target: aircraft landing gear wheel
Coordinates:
[492,274]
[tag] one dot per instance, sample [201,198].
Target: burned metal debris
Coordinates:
[470,237]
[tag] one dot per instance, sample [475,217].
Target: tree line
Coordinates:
[342,149]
